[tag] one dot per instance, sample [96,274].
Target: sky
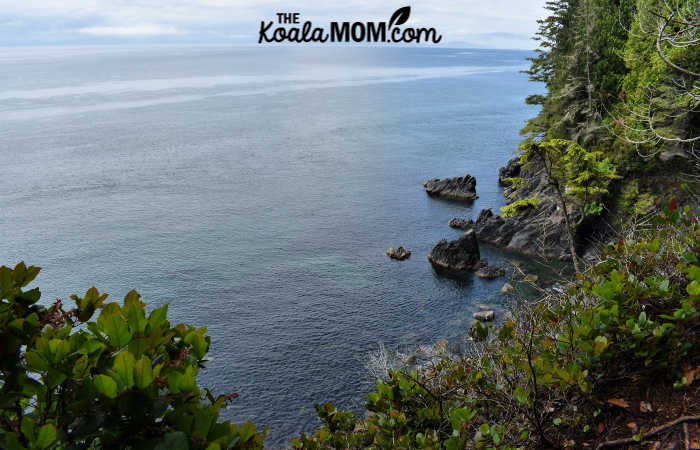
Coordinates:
[469,23]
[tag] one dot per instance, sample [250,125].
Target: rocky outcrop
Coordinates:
[399,253]
[539,231]
[507,289]
[461,254]
[510,170]
[458,188]
[461,224]
[484,316]
[490,272]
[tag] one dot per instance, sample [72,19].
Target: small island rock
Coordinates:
[399,253]
[458,188]
[460,254]
[484,316]
[507,289]
[461,224]
[490,273]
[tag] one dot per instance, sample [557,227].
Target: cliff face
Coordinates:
[540,231]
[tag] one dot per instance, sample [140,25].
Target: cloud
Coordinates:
[132,30]
[56,21]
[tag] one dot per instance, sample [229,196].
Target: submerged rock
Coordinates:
[484,316]
[460,255]
[507,289]
[458,188]
[399,253]
[490,273]
[461,224]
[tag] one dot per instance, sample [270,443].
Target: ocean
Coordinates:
[255,190]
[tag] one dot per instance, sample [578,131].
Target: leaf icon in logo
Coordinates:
[400,16]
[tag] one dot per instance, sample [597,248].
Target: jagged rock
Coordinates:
[484,316]
[507,289]
[461,224]
[458,188]
[510,170]
[539,231]
[399,253]
[461,254]
[480,264]
[490,273]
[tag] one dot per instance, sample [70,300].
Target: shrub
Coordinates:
[520,206]
[124,380]
[542,380]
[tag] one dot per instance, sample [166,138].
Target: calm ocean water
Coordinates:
[255,190]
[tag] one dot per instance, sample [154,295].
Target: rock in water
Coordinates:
[507,289]
[458,188]
[484,316]
[461,224]
[490,273]
[461,254]
[399,253]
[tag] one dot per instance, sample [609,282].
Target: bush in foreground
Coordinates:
[124,380]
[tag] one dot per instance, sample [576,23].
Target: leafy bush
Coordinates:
[124,380]
[543,380]
[519,206]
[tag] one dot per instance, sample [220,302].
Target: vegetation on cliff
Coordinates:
[623,90]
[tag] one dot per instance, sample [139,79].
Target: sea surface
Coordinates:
[255,190]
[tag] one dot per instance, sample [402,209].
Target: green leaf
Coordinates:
[124,368]
[35,361]
[246,431]
[600,344]
[143,372]
[46,436]
[115,327]
[176,440]
[158,317]
[54,378]
[693,289]
[458,416]
[105,385]
[28,428]
[521,395]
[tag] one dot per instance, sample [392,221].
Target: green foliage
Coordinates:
[633,202]
[519,206]
[580,61]
[576,174]
[660,103]
[541,382]
[124,380]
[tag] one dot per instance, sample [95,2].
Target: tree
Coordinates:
[662,88]
[124,380]
[578,177]
[580,62]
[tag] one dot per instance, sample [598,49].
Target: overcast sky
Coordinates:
[476,23]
